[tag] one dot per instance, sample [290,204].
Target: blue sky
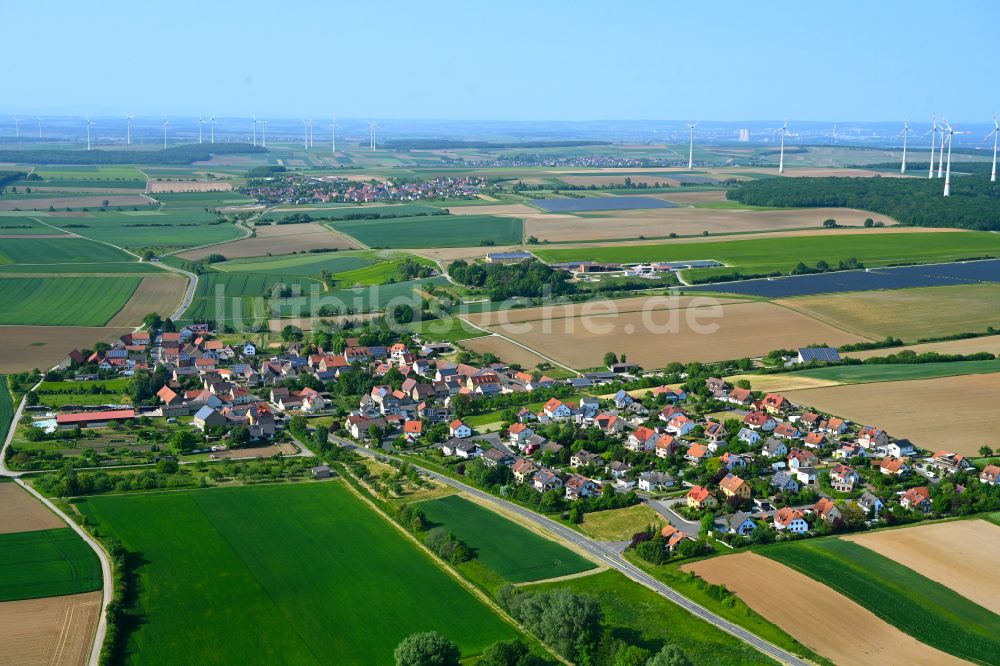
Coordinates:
[510,60]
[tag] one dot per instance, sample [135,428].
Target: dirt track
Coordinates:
[963,555]
[816,615]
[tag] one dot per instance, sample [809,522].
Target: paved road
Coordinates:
[607,556]
[665,509]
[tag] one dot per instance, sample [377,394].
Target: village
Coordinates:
[714,458]
[297,189]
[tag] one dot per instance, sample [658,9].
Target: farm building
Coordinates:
[93,419]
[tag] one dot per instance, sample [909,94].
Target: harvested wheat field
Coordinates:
[505,350]
[276,239]
[987,343]
[782,382]
[908,314]
[23,513]
[594,308]
[652,339]
[815,615]
[498,209]
[28,347]
[76,202]
[901,407]
[685,221]
[158,186]
[310,323]
[962,555]
[51,631]
[161,294]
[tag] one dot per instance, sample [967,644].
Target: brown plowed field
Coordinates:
[48,632]
[276,239]
[963,555]
[817,616]
[20,512]
[28,347]
[161,294]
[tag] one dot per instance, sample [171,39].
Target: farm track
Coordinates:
[606,556]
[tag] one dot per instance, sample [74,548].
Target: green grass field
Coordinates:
[15,270]
[762,256]
[6,409]
[76,301]
[46,563]
[362,299]
[59,251]
[305,265]
[433,231]
[449,329]
[341,211]
[517,554]
[379,273]
[303,574]
[15,225]
[642,617]
[57,394]
[925,609]
[863,374]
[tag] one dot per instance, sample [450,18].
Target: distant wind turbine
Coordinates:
[128,129]
[333,135]
[255,130]
[17,127]
[691,147]
[950,133]
[781,159]
[309,125]
[995,132]
[941,150]
[933,131]
[39,127]
[263,134]
[201,121]
[166,123]
[906,130]
[212,126]
[371,127]
[89,125]
[305,134]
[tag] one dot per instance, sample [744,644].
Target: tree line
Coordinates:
[175,155]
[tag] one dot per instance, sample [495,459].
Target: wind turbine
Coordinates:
[941,150]
[906,130]
[371,127]
[166,123]
[995,132]
[781,159]
[309,124]
[39,127]
[691,147]
[933,131]
[201,121]
[333,135]
[212,126]
[17,128]
[950,132]
[255,130]
[305,134]
[128,129]
[263,134]
[89,125]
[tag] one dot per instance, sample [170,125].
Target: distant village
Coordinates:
[299,189]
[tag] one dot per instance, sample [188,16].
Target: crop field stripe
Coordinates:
[297,573]
[432,231]
[863,374]
[516,553]
[79,301]
[46,563]
[6,409]
[928,611]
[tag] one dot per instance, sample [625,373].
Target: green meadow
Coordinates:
[303,573]
[58,251]
[46,563]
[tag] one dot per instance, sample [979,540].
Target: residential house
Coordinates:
[519,433]
[801,458]
[672,537]
[622,399]
[990,475]
[651,482]
[893,466]
[459,429]
[523,469]
[641,439]
[715,433]
[916,499]
[850,451]
[900,448]
[748,436]
[870,504]
[733,461]
[740,523]
[670,393]
[696,453]
[716,386]
[775,404]
[787,430]
[950,463]
[760,421]
[740,396]
[784,483]
[207,417]
[809,420]
[833,426]
[843,478]
[413,430]
[790,520]
[584,458]
[734,486]
[545,480]
[806,476]
[826,509]
[609,424]
[670,411]
[556,409]
[814,440]
[495,457]
[467,449]
[774,448]
[680,425]
[872,437]
[580,486]
[666,446]
[700,498]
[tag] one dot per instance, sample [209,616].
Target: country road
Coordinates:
[602,554]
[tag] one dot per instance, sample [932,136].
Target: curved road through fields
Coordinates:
[610,558]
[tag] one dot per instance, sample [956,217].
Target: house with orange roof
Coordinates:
[734,486]
[916,499]
[696,453]
[950,463]
[666,446]
[672,537]
[460,429]
[843,478]
[700,497]
[556,409]
[641,439]
[775,404]
[790,520]
[412,430]
[893,466]
[990,475]
[828,510]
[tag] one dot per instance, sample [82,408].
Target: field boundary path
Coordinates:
[614,560]
[519,344]
[106,578]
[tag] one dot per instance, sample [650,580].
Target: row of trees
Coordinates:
[531,279]
[175,155]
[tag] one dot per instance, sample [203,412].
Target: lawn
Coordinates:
[642,617]
[763,256]
[926,610]
[64,301]
[433,231]
[863,374]
[516,553]
[46,563]
[59,251]
[301,573]
[620,524]
[106,392]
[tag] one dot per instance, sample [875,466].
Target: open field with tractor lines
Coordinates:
[66,301]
